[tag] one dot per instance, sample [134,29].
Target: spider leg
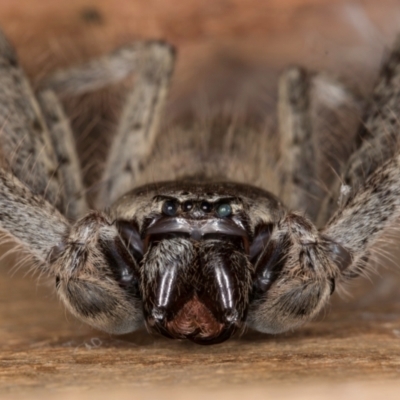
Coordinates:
[63,141]
[139,122]
[297,269]
[95,274]
[315,112]
[29,218]
[153,62]
[297,141]
[377,139]
[96,74]
[24,138]
[366,214]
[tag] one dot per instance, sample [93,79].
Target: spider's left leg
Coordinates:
[94,273]
[153,63]
[25,145]
[139,122]
[75,204]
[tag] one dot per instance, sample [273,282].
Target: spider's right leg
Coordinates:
[378,139]
[366,215]
[95,274]
[299,188]
[153,64]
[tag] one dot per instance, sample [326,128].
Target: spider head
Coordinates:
[192,244]
[203,256]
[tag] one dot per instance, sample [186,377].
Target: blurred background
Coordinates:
[225,47]
[215,39]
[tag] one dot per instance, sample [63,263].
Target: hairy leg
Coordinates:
[95,74]
[62,138]
[299,188]
[24,138]
[95,275]
[29,218]
[377,139]
[316,113]
[299,266]
[153,64]
[139,121]
[366,214]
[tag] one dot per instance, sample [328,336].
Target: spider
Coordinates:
[181,242]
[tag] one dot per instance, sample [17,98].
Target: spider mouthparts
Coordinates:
[196,290]
[194,321]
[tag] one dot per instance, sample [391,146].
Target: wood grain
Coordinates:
[42,348]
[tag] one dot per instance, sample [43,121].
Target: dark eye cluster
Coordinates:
[171,207]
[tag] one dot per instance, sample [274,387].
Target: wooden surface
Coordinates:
[353,351]
[43,349]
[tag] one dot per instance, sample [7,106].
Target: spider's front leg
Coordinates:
[297,269]
[95,275]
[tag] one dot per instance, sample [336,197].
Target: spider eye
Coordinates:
[187,206]
[224,210]
[206,206]
[169,208]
